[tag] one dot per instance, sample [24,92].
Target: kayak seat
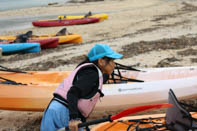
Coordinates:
[62,32]
[22,38]
[88,14]
[177,117]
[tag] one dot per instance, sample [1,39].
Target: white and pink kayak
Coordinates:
[121,96]
[155,74]
[36,95]
[56,77]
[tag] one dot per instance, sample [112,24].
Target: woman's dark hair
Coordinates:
[94,62]
[107,59]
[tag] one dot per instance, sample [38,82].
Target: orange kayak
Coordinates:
[25,98]
[40,85]
[36,77]
[123,124]
[117,96]
[56,77]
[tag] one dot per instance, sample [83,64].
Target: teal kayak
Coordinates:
[20,47]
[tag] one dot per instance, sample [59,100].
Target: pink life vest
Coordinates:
[85,106]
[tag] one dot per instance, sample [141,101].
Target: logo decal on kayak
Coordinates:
[128,89]
[67,22]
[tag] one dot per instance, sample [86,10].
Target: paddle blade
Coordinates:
[137,109]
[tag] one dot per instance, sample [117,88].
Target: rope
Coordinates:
[7,81]
[122,79]
[11,70]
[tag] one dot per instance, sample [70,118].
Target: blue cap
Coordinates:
[102,50]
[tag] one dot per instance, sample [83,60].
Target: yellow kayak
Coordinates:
[71,38]
[63,39]
[101,16]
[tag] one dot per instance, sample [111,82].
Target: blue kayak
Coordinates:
[20,47]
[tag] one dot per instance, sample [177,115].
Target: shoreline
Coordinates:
[23,4]
[14,20]
[118,30]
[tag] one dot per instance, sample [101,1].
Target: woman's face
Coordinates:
[107,66]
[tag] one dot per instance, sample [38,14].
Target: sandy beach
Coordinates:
[150,33]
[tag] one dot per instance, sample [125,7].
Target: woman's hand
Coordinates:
[73,125]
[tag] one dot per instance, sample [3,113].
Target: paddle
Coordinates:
[126,112]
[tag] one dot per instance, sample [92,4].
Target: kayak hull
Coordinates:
[25,98]
[51,23]
[55,77]
[101,17]
[41,85]
[122,124]
[46,43]
[20,47]
[121,96]
[63,39]
[117,96]
[37,77]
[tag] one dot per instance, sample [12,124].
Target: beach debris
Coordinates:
[167,62]
[54,3]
